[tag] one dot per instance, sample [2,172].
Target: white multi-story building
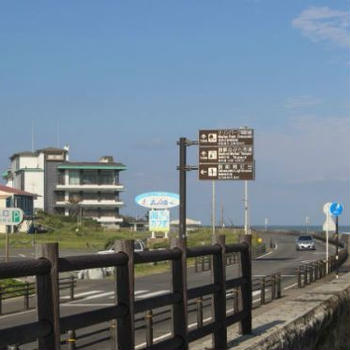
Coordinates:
[64,187]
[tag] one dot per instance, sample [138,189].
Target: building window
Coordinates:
[60,196]
[75,197]
[74,177]
[106,177]
[60,211]
[89,177]
[90,196]
[61,180]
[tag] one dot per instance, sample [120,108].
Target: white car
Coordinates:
[139,246]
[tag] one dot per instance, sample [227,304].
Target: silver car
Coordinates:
[305,243]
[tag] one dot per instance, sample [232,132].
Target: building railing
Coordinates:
[49,325]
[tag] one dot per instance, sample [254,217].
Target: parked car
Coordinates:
[37,229]
[139,246]
[305,243]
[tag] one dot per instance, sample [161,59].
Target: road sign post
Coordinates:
[336,209]
[10,217]
[228,154]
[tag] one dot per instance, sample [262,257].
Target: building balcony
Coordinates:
[93,203]
[90,187]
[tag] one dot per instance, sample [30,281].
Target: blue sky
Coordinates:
[130,78]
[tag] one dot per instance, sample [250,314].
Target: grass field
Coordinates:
[90,236]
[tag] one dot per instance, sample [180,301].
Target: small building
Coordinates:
[91,187]
[191,224]
[14,198]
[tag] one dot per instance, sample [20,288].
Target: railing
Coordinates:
[203,263]
[315,270]
[28,289]
[269,286]
[49,326]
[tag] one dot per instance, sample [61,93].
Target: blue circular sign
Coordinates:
[335,209]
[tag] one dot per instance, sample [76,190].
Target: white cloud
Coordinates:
[302,102]
[308,149]
[324,24]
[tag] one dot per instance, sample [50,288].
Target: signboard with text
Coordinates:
[226,154]
[11,216]
[159,220]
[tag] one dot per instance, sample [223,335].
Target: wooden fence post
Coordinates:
[149,328]
[262,290]
[273,286]
[48,297]
[125,296]
[0,300]
[246,263]
[179,286]
[113,335]
[26,296]
[219,298]
[199,309]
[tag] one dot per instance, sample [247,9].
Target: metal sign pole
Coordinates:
[182,185]
[327,237]
[246,207]
[7,245]
[337,245]
[213,208]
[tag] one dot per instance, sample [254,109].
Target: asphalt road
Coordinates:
[93,294]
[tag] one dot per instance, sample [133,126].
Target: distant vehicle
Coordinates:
[305,243]
[139,246]
[37,229]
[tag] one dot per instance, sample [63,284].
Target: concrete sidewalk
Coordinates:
[315,317]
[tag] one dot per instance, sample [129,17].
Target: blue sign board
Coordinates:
[335,209]
[159,220]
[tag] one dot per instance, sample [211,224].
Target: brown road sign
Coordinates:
[226,154]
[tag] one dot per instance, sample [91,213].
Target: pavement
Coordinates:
[92,294]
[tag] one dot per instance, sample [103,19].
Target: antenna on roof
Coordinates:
[33,136]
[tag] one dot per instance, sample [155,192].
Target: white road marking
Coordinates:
[101,295]
[291,286]
[22,255]
[264,255]
[148,295]
[87,305]
[136,293]
[82,294]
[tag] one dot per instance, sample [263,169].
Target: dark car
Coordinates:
[305,243]
[37,229]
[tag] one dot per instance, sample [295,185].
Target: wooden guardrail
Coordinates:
[203,263]
[49,325]
[313,271]
[28,289]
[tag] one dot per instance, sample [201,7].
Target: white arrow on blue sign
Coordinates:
[335,209]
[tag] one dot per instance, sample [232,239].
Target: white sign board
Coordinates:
[158,200]
[159,220]
[11,216]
